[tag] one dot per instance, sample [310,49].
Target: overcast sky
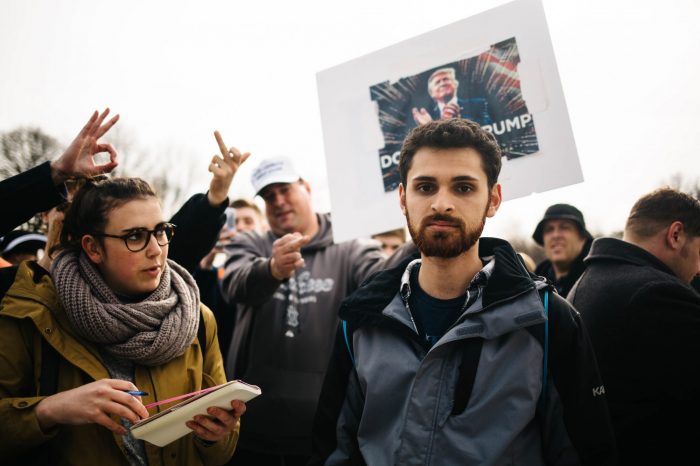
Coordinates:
[176,71]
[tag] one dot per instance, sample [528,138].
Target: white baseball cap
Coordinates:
[273,170]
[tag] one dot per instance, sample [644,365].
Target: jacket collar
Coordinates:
[479,280]
[34,283]
[508,279]
[622,251]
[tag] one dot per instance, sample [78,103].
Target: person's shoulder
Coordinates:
[629,277]
[664,304]
[643,289]
[32,281]
[207,314]
[357,252]
[558,303]
[561,312]
[32,296]
[544,268]
[7,277]
[363,243]
[669,290]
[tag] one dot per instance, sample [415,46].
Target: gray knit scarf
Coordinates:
[149,332]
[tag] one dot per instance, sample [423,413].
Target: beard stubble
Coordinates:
[446,244]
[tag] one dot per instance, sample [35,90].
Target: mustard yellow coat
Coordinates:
[31,311]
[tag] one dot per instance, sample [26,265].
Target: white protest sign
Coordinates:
[496,68]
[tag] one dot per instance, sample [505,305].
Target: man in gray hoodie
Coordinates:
[289,284]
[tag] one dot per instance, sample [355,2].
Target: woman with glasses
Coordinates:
[122,318]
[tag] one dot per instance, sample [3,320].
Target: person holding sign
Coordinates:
[460,356]
[115,315]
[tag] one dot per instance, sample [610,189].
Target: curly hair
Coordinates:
[454,133]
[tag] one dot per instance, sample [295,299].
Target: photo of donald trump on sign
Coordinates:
[484,88]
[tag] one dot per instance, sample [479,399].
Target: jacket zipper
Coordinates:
[410,315]
[429,455]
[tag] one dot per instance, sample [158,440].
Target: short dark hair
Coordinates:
[245,203]
[658,209]
[454,133]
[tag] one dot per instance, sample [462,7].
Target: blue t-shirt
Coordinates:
[433,316]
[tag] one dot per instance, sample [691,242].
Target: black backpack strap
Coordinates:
[202,334]
[471,352]
[48,378]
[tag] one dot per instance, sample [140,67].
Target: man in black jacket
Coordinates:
[643,318]
[563,235]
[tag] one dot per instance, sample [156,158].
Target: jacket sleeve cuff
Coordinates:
[216,208]
[261,276]
[260,285]
[24,414]
[53,194]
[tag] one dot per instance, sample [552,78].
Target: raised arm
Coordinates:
[41,187]
[200,219]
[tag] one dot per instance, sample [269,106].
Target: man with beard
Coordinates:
[459,356]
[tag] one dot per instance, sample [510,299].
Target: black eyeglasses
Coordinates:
[137,239]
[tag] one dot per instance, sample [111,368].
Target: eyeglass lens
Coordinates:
[138,239]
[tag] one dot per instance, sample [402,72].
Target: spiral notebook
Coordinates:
[169,425]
